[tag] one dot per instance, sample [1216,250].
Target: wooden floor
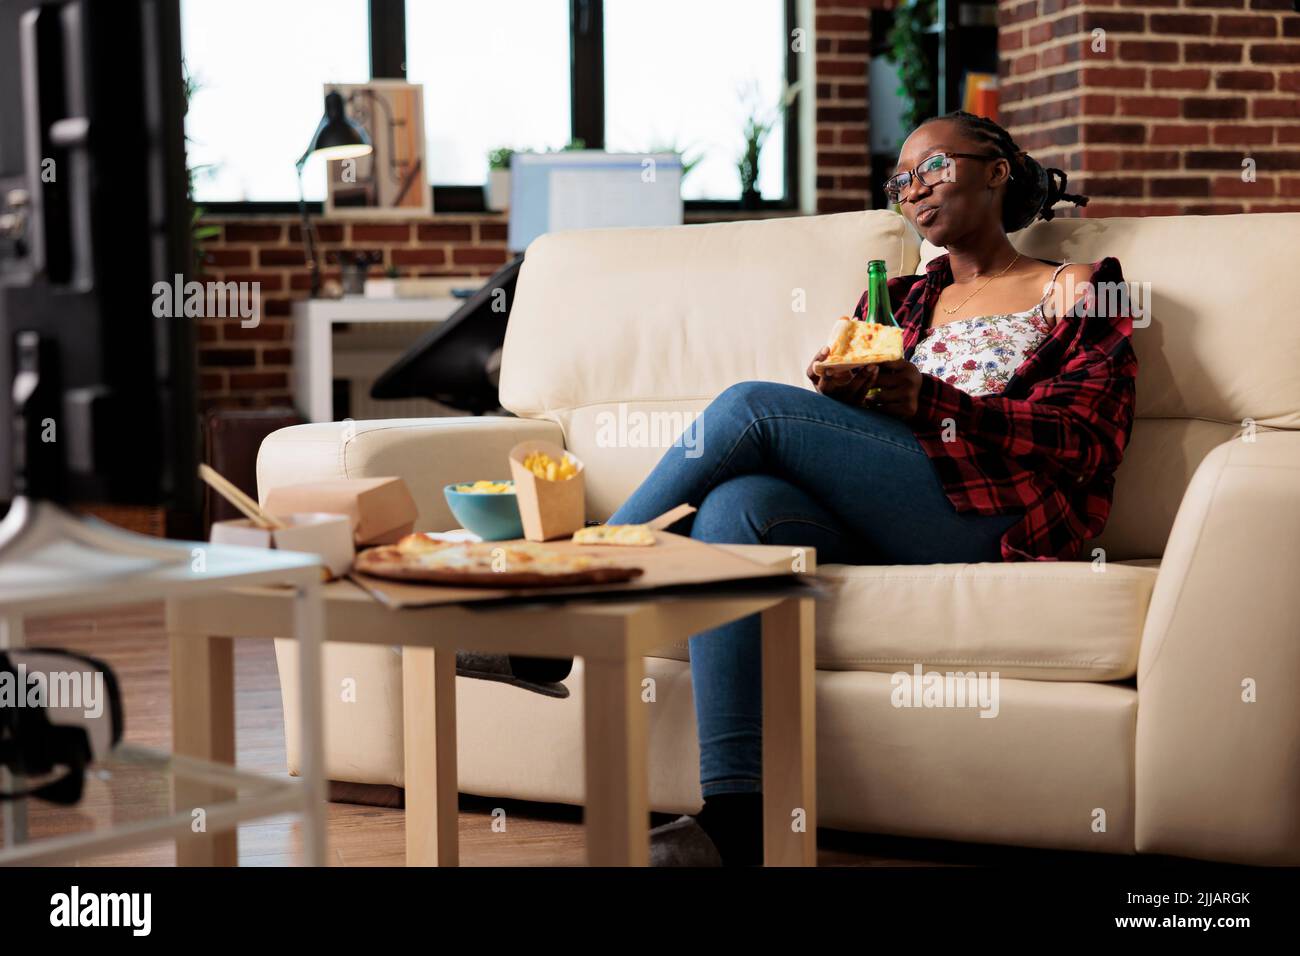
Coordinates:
[131,640]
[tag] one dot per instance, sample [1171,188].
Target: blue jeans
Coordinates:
[767,463]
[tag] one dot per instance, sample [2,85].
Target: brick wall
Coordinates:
[251,367]
[1160,121]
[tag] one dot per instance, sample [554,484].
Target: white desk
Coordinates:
[315,364]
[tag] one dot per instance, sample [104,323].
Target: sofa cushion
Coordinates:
[427,453]
[1065,621]
[1158,465]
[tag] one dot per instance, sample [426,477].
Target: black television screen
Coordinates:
[94,220]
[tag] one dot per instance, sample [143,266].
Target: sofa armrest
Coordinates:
[427,452]
[1217,776]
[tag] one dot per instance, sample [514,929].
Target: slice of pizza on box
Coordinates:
[626,535]
[853,342]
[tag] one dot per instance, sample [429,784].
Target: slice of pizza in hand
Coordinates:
[632,535]
[854,342]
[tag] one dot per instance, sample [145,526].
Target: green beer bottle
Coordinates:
[878,309]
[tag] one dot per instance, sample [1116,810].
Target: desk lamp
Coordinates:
[336,137]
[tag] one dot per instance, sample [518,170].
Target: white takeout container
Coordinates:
[328,536]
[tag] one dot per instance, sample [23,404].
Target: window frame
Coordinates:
[587,111]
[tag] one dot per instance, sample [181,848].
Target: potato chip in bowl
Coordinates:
[485,486]
[488,508]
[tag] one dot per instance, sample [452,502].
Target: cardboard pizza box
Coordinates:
[547,509]
[381,509]
[328,536]
[673,562]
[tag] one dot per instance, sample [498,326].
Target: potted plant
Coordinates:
[498,186]
[199,232]
[689,162]
[759,122]
[906,39]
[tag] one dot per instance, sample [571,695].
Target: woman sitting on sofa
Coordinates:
[995,438]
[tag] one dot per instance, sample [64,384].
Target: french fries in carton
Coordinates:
[549,486]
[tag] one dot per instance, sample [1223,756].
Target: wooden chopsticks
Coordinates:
[246,505]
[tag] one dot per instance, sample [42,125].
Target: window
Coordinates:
[524,74]
[260,69]
[495,73]
[684,74]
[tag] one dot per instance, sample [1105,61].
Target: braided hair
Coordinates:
[1031,191]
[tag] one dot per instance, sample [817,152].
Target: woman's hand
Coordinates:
[847,385]
[899,382]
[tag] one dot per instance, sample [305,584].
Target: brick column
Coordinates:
[843,37]
[1153,106]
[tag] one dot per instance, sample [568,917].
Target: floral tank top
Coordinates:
[980,354]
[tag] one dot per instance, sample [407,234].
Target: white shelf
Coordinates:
[358,308]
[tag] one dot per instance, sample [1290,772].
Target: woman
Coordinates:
[997,435]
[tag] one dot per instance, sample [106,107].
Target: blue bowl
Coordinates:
[493,516]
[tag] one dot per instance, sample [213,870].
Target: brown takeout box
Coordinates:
[381,509]
[547,509]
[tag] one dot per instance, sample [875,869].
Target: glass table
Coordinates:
[53,562]
[137,797]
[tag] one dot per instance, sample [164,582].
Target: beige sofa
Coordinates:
[1148,698]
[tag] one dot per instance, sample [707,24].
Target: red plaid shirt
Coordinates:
[1050,442]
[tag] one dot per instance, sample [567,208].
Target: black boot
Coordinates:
[727,832]
[734,822]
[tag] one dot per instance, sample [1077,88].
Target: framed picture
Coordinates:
[392,182]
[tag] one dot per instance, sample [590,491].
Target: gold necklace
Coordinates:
[981,288]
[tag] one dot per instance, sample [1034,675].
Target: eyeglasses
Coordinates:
[930,171]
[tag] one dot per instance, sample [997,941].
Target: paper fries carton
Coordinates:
[547,509]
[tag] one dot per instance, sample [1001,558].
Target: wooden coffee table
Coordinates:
[612,637]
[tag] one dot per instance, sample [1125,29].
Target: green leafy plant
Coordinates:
[907,48]
[199,233]
[688,162]
[500,157]
[760,119]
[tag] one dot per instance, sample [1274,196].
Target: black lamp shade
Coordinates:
[337,136]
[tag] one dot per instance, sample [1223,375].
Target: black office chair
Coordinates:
[458,363]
